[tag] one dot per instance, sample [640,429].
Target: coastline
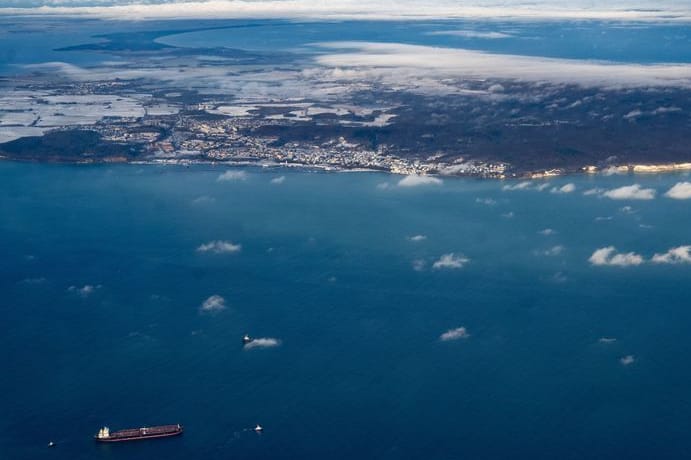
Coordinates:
[628,169]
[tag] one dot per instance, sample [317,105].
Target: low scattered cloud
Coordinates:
[84,291]
[568,188]
[278,180]
[231,176]
[486,201]
[632,115]
[525,185]
[419,265]
[678,255]
[530,185]
[627,210]
[383,185]
[430,61]
[593,191]
[220,247]
[213,304]
[606,340]
[472,34]
[450,260]
[262,342]
[415,180]
[417,238]
[630,192]
[551,252]
[204,199]
[547,232]
[612,170]
[496,88]
[663,110]
[610,256]
[454,334]
[680,191]
[627,360]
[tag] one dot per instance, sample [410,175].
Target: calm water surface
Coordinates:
[327,268]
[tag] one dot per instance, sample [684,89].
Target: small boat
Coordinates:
[258,428]
[246,339]
[134,434]
[51,444]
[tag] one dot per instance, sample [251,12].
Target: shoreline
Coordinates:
[641,169]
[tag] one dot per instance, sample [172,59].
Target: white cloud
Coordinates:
[450,260]
[454,334]
[232,176]
[568,188]
[219,247]
[383,185]
[529,185]
[415,180]
[525,185]
[609,256]
[262,342]
[213,304]
[204,199]
[551,252]
[84,291]
[486,201]
[612,170]
[678,255]
[417,238]
[606,340]
[633,114]
[593,191]
[436,62]
[630,192]
[278,180]
[662,110]
[680,191]
[472,34]
[627,360]
[547,232]
[639,10]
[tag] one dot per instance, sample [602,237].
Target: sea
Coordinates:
[29,40]
[455,320]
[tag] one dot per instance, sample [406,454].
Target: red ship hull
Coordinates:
[139,434]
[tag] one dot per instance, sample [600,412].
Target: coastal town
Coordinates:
[91,120]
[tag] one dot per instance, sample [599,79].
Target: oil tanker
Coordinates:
[135,434]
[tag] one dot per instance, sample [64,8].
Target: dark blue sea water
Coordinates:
[327,267]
